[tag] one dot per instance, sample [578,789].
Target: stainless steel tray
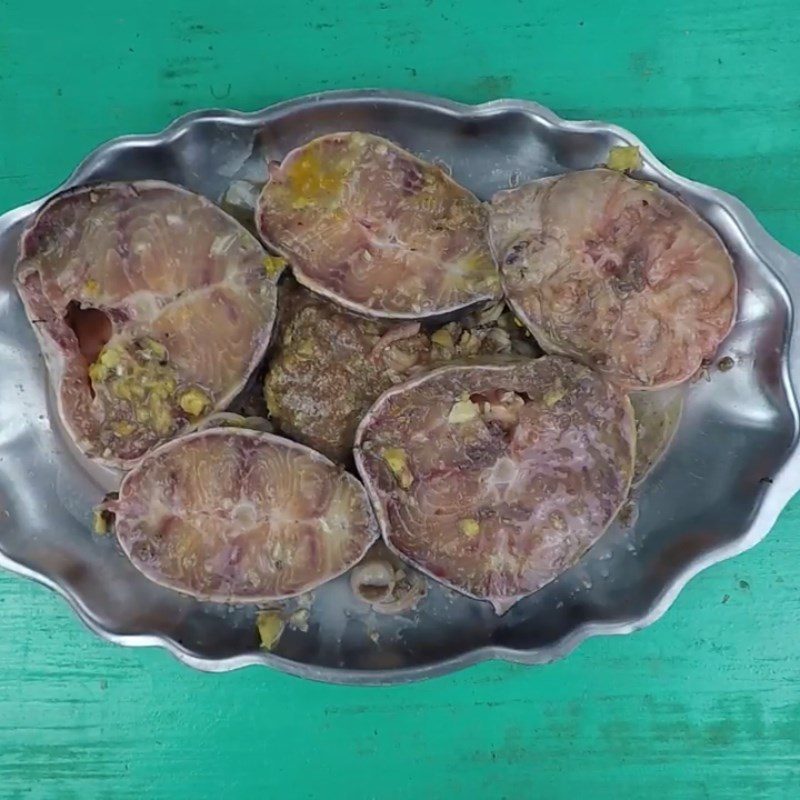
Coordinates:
[731,469]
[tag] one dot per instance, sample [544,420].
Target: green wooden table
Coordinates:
[705,704]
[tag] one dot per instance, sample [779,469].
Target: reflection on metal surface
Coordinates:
[730,469]
[657,417]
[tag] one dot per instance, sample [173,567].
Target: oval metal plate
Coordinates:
[732,466]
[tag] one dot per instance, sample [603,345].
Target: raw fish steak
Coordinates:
[494,479]
[616,273]
[376,229]
[329,365]
[152,307]
[235,515]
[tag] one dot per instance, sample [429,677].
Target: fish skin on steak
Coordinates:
[152,307]
[379,231]
[616,273]
[495,478]
[242,516]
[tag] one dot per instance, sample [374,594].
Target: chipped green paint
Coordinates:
[705,704]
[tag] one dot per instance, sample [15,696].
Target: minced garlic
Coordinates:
[397,462]
[274,265]
[463,411]
[624,158]
[194,402]
[99,522]
[552,396]
[443,338]
[270,626]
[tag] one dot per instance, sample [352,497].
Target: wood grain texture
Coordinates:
[705,704]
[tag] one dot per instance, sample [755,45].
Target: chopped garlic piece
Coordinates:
[299,620]
[397,462]
[108,360]
[109,357]
[154,349]
[123,428]
[97,372]
[552,396]
[443,338]
[194,402]
[274,265]
[270,628]
[160,414]
[462,411]
[99,522]
[624,158]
